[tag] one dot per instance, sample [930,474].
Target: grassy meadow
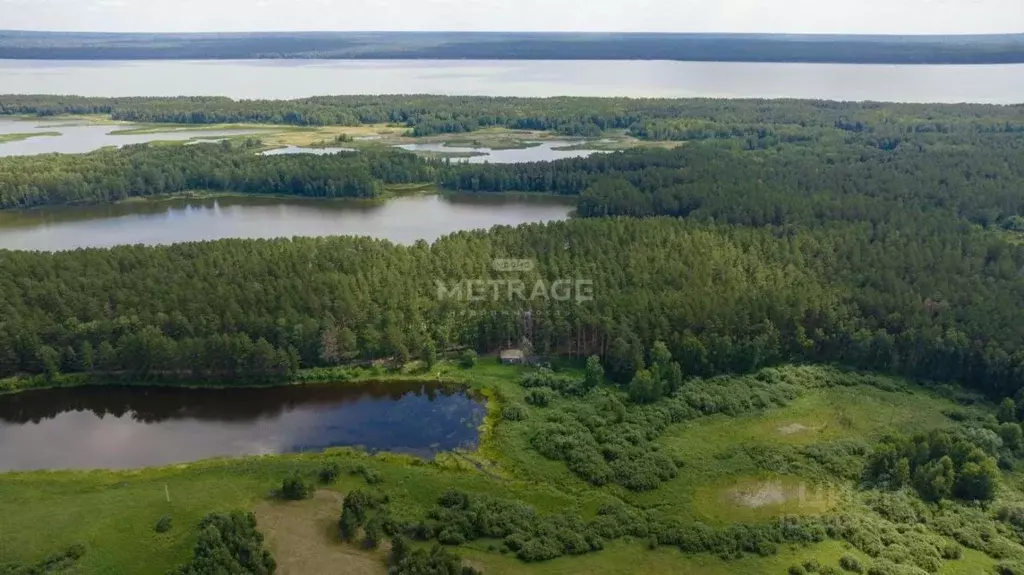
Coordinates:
[724,478]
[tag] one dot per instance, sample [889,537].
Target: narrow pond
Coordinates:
[541,152]
[133,427]
[402,220]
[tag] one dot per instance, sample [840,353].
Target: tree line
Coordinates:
[644,118]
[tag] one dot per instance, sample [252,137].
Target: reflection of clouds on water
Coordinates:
[542,153]
[402,220]
[81,138]
[172,425]
[277,79]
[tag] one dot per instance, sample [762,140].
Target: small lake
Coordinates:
[300,150]
[78,138]
[544,152]
[402,220]
[131,427]
[276,79]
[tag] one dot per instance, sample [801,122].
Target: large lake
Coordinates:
[81,137]
[401,220]
[129,427]
[301,78]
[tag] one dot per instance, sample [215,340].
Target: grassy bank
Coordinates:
[7,138]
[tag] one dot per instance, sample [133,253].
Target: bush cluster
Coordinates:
[369,474]
[163,525]
[603,440]
[461,518]
[514,413]
[939,464]
[329,473]
[63,562]
[229,543]
[296,487]
[437,561]
[366,511]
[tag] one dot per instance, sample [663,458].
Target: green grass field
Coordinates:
[6,138]
[112,513]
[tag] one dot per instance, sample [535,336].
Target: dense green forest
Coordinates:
[145,170]
[646,118]
[757,181]
[516,45]
[810,230]
[918,296]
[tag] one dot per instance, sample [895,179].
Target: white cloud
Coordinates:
[796,16]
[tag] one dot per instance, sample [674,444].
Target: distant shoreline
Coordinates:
[759,48]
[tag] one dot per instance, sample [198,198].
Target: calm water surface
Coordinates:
[302,78]
[542,153]
[401,220]
[300,150]
[84,137]
[129,427]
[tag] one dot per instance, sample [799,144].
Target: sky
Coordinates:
[786,16]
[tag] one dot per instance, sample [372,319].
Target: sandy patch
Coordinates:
[794,428]
[302,535]
[760,494]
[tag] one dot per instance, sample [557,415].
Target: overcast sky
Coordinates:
[795,16]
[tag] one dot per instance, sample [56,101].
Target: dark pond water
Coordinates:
[402,220]
[131,427]
[84,137]
[303,78]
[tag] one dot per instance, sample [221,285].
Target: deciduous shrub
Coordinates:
[369,474]
[1010,568]
[296,487]
[163,525]
[540,396]
[329,473]
[851,563]
[514,413]
[467,358]
[229,543]
[63,562]
[437,561]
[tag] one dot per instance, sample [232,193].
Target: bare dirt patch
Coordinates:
[302,535]
[760,494]
[794,428]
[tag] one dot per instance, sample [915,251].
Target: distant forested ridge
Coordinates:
[645,118]
[1006,48]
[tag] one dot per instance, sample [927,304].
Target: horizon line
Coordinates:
[537,32]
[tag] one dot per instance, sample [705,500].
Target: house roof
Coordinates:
[512,354]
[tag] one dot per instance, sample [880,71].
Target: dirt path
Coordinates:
[302,535]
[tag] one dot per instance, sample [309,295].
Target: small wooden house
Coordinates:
[513,357]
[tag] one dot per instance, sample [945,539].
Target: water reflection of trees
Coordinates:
[156,404]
